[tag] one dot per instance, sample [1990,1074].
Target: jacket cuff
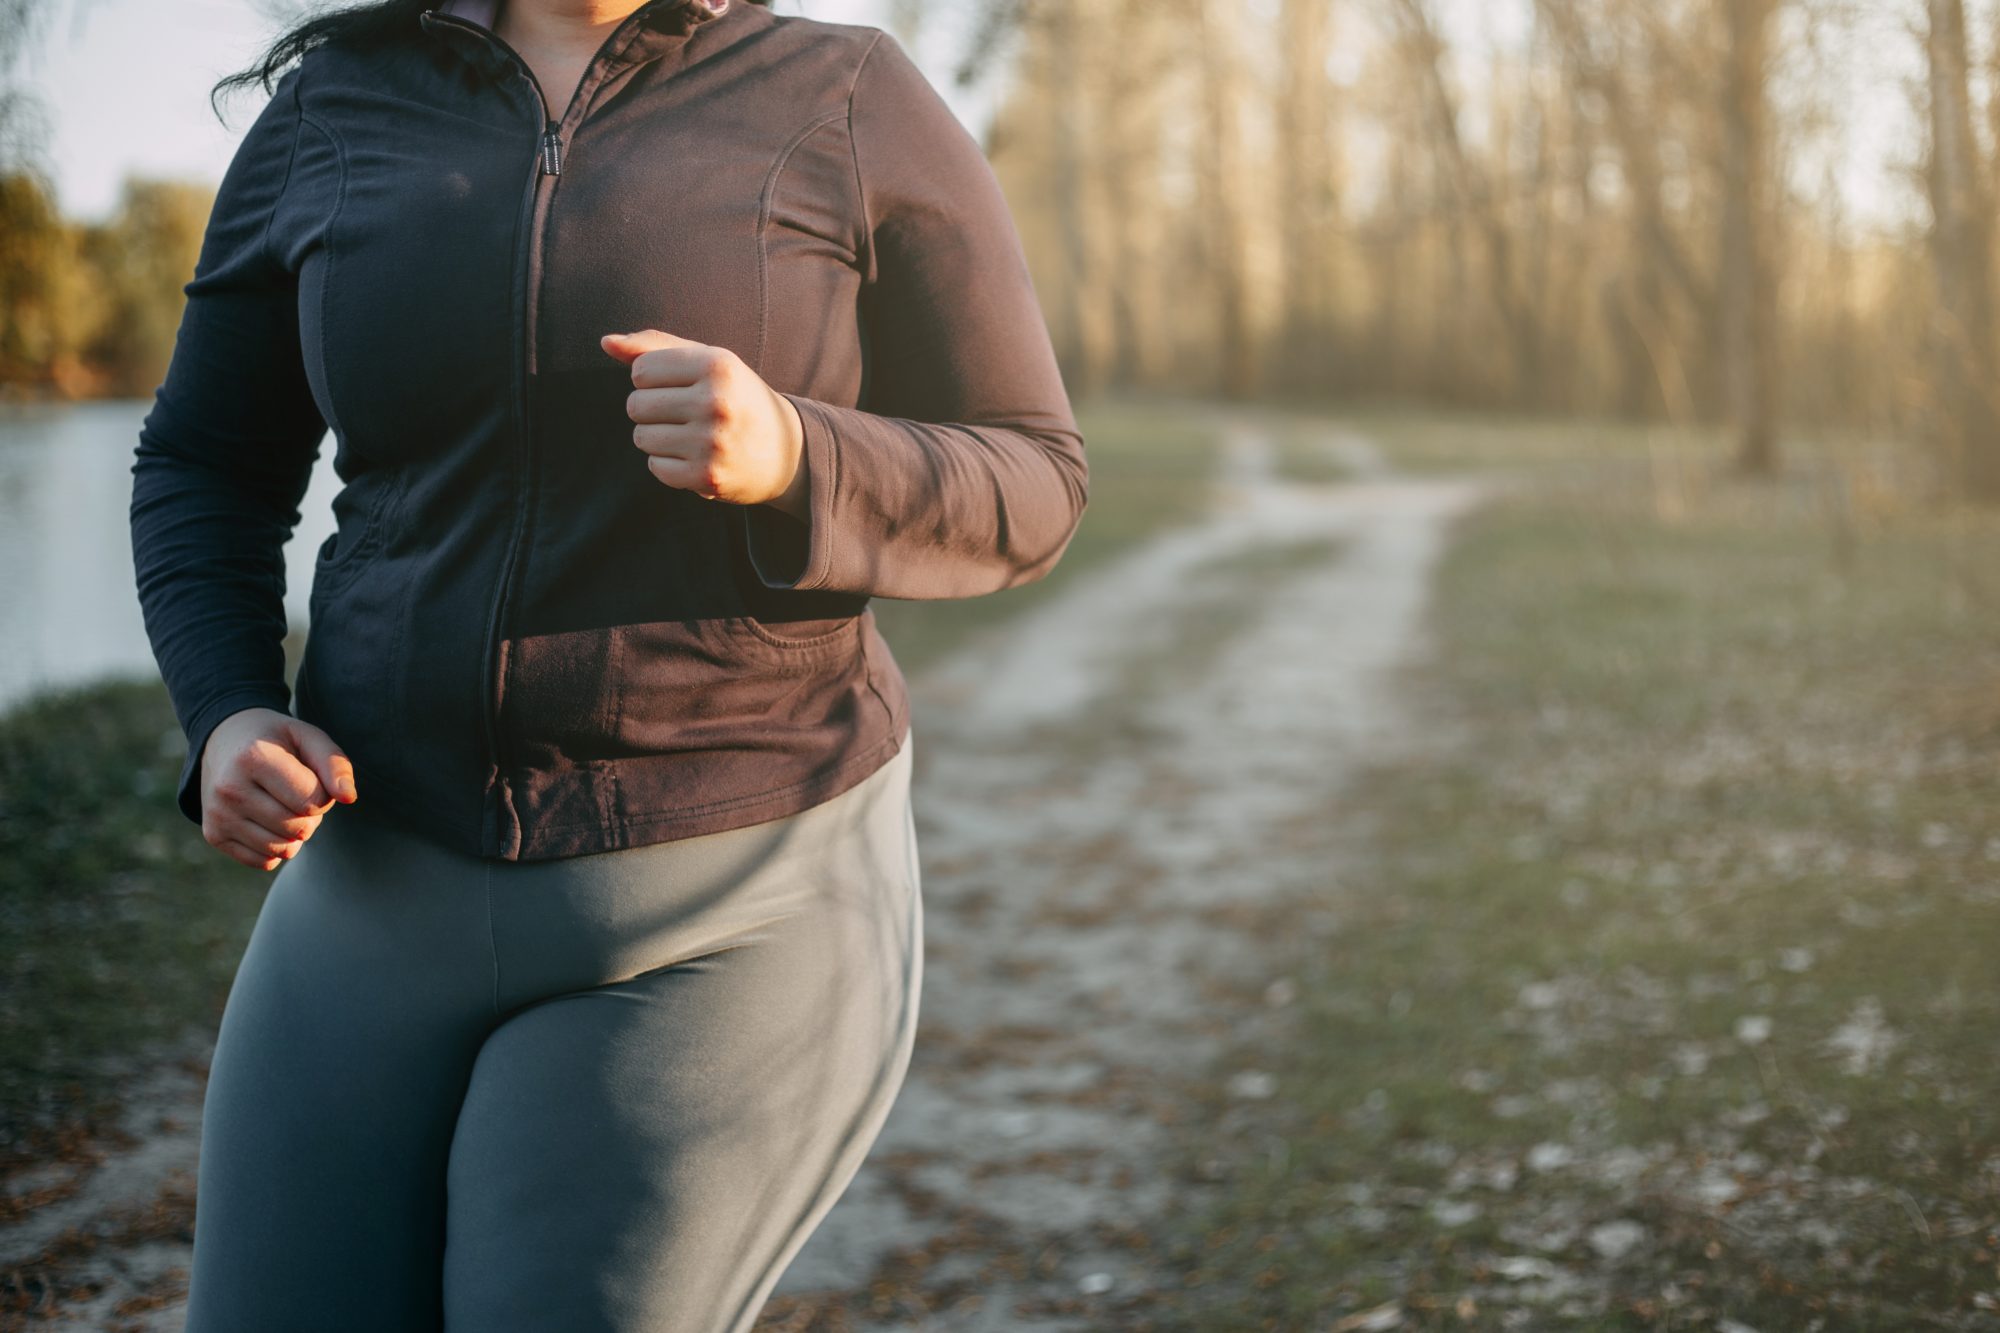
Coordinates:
[785,553]
[187,793]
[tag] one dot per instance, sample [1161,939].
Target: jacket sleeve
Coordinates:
[224,457]
[967,474]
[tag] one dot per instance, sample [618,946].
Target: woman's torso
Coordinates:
[518,634]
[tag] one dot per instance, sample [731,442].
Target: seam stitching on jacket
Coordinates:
[326,232]
[764,206]
[875,687]
[298,124]
[434,110]
[734,802]
[854,157]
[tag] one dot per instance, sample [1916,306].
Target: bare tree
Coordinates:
[23,124]
[1223,92]
[1476,199]
[1962,259]
[1311,195]
[1748,284]
[1612,61]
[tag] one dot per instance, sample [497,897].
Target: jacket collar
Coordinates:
[648,32]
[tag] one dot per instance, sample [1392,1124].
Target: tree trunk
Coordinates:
[1748,286]
[1305,148]
[1070,138]
[1962,258]
[1223,188]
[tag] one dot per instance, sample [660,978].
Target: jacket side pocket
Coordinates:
[360,521]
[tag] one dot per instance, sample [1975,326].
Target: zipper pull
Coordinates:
[551,151]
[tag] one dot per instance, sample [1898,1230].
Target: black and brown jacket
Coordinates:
[528,645]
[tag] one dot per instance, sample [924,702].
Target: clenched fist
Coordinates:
[708,423]
[267,779]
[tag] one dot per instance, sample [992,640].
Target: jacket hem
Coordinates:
[547,842]
[550,841]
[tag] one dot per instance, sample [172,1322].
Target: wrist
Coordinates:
[795,498]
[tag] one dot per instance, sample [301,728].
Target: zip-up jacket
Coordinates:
[527,645]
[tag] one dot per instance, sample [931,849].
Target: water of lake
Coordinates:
[68,609]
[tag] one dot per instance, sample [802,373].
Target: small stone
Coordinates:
[1252,1085]
[1540,995]
[1380,1319]
[1095,1284]
[1523,1268]
[1864,1042]
[1549,1156]
[1453,1212]
[1691,1058]
[1715,1187]
[1615,1240]
[1753,1029]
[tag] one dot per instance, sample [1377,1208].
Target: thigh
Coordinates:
[344,1049]
[651,1153]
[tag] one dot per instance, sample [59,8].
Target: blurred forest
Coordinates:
[86,309]
[1640,208]
[1574,207]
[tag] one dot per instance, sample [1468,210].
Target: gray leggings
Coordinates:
[610,1092]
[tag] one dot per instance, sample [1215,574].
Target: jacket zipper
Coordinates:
[552,150]
[548,164]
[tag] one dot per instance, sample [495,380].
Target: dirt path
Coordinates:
[1110,797]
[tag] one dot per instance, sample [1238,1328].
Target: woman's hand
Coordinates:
[708,423]
[266,780]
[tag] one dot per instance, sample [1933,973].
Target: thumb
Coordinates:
[627,347]
[333,768]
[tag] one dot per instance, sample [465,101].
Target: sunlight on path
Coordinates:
[1104,862]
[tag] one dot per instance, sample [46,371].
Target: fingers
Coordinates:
[629,347]
[256,821]
[334,769]
[269,799]
[685,475]
[661,360]
[263,818]
[269,764]
[671,441]
[247,856]
[676,406]
[250,840]
[260,840]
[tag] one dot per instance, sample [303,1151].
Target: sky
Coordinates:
[124,83]
[124,86]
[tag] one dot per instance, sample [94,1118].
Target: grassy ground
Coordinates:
[1667,993]
[122,927]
